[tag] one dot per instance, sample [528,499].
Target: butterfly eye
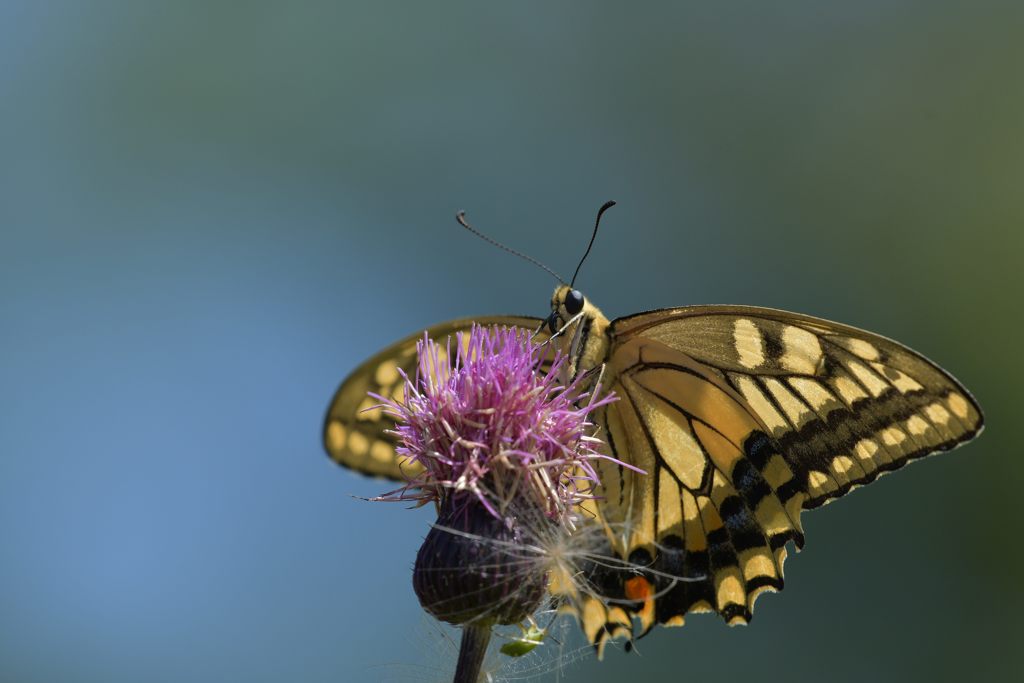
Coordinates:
[574,302]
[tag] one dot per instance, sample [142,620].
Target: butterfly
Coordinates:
[739,418]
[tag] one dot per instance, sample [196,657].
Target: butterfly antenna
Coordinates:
[597,223]
[461,218]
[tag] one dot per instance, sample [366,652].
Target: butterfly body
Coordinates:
[583,331]
[739,418]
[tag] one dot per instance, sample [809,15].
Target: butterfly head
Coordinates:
[580,327]
[566,304]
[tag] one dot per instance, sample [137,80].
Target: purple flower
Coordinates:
[496,427]
[507,452]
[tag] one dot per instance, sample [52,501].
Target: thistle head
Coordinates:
[497,429]
[506,452]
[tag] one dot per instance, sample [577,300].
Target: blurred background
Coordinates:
[211,211]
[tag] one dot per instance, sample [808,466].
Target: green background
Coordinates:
[211,211]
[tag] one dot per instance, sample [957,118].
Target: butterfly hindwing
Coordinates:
[705,528]
[360,439]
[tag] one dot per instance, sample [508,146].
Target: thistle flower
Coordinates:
[496,428]
[507,453]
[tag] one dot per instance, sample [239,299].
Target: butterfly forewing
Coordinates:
[843,404]
[356,434]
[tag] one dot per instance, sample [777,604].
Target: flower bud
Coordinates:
[472,567]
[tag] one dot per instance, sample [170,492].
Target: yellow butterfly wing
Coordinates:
[358,438]
[742,417]
[844,404]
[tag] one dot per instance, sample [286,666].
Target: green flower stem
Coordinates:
[475,636]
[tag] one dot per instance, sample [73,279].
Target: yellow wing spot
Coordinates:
[917,425]
[386,373]
[777,472]
[958,404]
[592,618]
[382,452]
[893,436]
[841,465]
[859,347]
[845,469]
[368,410]
[336,435]
[729,588]
[849,390]
[937,413]
[875,384]
[749,343]
[866,450]
[761,405]
[802,350]
[758,563]
[674,622]
[398,393]
[819,483]
[795,410]
[902,381]
[811,391]
[358,443]
[941,419]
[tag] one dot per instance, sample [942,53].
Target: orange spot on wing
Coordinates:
[638,588]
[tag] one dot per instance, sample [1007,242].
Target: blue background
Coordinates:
[211,211]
